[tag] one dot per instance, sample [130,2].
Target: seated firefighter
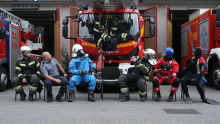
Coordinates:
[81,67]
[143,67]
[194,75]
[27,70]
[166,71]
[109,43]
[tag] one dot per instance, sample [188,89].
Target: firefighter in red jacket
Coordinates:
[165,71]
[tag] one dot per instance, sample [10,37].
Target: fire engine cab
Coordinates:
[14,33]
[203,30]
[129,21]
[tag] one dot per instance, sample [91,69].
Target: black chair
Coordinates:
[109,74]
[130,71]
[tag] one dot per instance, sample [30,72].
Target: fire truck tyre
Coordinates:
[215,76]
[3,78]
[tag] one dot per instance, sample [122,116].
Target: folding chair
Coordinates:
[130,71]
[163,84]
[109,74]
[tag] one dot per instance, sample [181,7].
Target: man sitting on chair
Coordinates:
[143,67]
[49,70]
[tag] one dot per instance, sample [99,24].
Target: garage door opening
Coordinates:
[44,19]
[179,17]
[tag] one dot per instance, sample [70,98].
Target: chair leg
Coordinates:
[153,94]
[15,96]
[102,92]
[39,96]
[175,96]
[74,94]
[44,93]
[146,90]
[35,95]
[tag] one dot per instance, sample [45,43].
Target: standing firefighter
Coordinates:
[106,42]
[27,70]
[195,77]
[143,67]
[81,67]
[165,72]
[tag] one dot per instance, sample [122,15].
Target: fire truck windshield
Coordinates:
[127,23]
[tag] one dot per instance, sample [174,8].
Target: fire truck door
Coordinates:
[13,48]
[73,25]
[169,28]
[57,29]
[149,42]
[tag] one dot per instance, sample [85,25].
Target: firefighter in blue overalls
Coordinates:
[109,43]
[81,67]
[194,75]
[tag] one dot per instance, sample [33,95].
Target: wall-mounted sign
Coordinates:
[25,6]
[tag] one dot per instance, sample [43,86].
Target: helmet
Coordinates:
[77,50]
[169,51]
[150,54]
[24,50]
[198,52]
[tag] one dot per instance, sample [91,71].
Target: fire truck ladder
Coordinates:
[25,27]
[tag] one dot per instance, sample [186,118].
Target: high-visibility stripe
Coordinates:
[38,72]
[18,68]
[18,87]
[31,63]
[114,28]
[41,82]
[19,75]
[96,30]
[38,64]
[22,64]
[124,89]
[32,87]
[142,93]
[97,23]
[173,88]
[100,39]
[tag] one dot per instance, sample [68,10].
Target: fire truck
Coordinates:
[14,33]
[203,30]
[129,21]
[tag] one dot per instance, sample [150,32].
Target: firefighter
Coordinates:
[81,67]
[166,71]
[106,42]
[195,76]
[27,70]
[140,75]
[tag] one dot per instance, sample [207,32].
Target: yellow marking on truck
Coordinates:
[88,44]
[127,44]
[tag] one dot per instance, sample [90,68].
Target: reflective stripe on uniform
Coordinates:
[173,88]
[17,88]
[100,39]
[123,36]
[33,88]
[146,77]
[156,88]
[38,72]
[96,30]
[142,93]
[19,75]
[31,63]
[22,64]
[18,68]
[38,64]
[124,89]
[41,82]
[114,28]
[97,23]
[143,66]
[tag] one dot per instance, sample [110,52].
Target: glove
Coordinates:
[158,75]
[92,69]
[195,79]
[83,72]
[167,78]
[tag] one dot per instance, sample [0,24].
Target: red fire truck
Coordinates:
[129,21]
[203,30]
[14,33]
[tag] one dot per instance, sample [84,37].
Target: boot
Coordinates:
[22,96]
[125,97]
[31,97]
[58,98]
[137,36]
[143,98]
[170,98]
[91,96]
[71,96]
[158,97]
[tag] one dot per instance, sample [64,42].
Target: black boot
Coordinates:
[22,96]
[170,98]
[59,98]
[71,96]
[31,98]
[158,97]
[91,96]
[137,36]
[143,98]
[125,97]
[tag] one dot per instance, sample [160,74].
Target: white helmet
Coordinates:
[24,50]
[150,55]
[76,48]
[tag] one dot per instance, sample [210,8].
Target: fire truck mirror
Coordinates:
[151,20]
[217,24]
[152,29]
[65,31]
[2,32]
[65,21]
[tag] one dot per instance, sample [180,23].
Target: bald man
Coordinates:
[48,68]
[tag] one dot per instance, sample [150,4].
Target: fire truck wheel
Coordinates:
[215,83]
[3,78]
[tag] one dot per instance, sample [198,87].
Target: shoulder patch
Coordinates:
[201,60]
